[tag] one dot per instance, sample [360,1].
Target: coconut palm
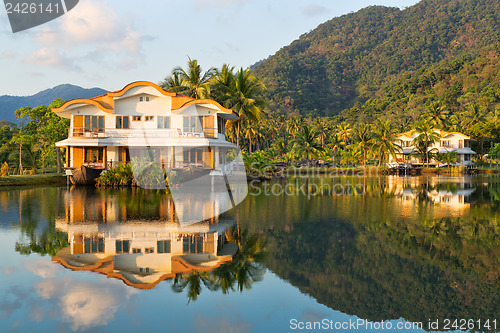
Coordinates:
[438,114]
[425,138]
[384,140]
[305,143]
[173,83]
[474,115]
[294,125]
[334,145]
[344,132]
[222,81]
[363,137]
[244,97]
[193,81]
[322,129]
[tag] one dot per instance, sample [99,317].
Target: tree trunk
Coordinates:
[238,135]
[20,160]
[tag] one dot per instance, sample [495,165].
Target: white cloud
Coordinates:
[85,304]
[95,27]
[313,10]
[52,58]
[42,268]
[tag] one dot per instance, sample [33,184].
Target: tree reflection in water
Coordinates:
[242,272]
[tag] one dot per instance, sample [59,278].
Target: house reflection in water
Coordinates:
[449,198]
[109,238]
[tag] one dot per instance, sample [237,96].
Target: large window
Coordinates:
[94,155]
[93,244]
[163,246]
[163,122]
[193,123]
[193,244]
[94,123]
[122,246]
[445,143]
[194,155]
[122,122]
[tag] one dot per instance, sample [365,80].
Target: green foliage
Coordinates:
[120,175]
[495,151]
[390,63]
[4,170]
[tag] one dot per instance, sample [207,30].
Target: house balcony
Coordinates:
[82,132]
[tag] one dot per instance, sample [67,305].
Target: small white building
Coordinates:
[140,119]
[448,141]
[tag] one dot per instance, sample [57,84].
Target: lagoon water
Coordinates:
[357,254]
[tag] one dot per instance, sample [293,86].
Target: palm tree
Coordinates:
[322,129]
[306,143]
[248,133]
[476,123]
[438,114]
[363,138]
[173,83]
[425,138]
[293,125]
[193,281]
[351,155]
[244,97]
[474,115]
[334,145]
[384,139]
[344,132]
[193,82]
[222,81]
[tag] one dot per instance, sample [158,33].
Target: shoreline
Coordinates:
[31,180]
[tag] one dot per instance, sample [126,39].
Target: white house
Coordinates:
[448,141]
[142,118]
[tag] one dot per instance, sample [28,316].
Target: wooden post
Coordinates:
[59,166]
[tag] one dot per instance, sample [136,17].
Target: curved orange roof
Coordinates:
[105,102]
[191,101]
[83,101]
[122,91]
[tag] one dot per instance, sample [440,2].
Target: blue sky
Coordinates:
[108,44]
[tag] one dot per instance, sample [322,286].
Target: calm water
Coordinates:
[392,251]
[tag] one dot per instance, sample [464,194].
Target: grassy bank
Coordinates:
[29,180]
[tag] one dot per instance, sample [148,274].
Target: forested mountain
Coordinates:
[9,104]
[381,61]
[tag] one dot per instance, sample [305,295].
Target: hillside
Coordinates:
[352,59]
[9,104]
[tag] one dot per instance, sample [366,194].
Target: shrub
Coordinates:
[120,175]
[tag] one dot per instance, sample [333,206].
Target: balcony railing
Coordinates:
[82,132]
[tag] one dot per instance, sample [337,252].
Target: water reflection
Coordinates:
[413,248]
[135,236]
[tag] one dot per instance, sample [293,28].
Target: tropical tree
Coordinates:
[438,114]
[305,143]
[344,132]
[173,83]
[384,140]
[193,81]
[426,136]
[322,129]
[362,136]
[294,124]
[245,97]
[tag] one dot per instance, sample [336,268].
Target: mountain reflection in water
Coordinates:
[408,249]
